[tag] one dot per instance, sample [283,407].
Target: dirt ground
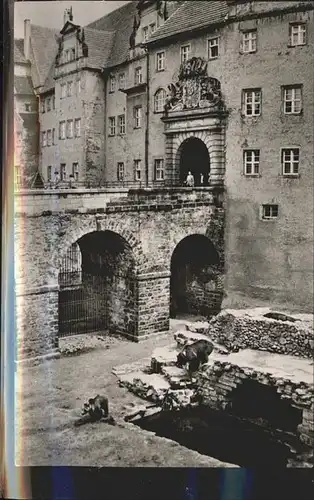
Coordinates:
[50,397]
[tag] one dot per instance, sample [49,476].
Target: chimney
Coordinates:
[27,38]
[67,16]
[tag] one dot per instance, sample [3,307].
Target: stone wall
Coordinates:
[241,329]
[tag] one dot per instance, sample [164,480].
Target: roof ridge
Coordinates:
[113,11]
[98,31]
[46,28]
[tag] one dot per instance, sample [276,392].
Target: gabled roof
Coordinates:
[23,85]
[99,45]
[121,22]
[191,15]
[19,51]
[44,48]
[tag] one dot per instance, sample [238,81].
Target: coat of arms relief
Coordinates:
[193,88]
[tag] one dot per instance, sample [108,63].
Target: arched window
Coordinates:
[160,100]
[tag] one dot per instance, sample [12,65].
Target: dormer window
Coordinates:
[152,28]
[145,33]
[138,76]
[112,83]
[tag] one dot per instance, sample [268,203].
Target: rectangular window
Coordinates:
[77,127]
[78,86]
[70,129]
[159,169]
[145,33]
[137,117]
[44,139]
[152,28]
[161,58]
[49,137]
[62,130]
[63,90]
[112,83]
[269,211]
[290,161]
[138,170]
[53,140]
[69,89]
[49,173]
[292,100]
[28,107]
[252,102]
[112,125]
[138,76]
[251,162]
[75,170]
[213,48]
[63,173]
[72,54]
[121,124]
[120,171]
[122,81]
[18,176]
[48,104]
[185,53]
[297,34]
[43,108]
[249,39]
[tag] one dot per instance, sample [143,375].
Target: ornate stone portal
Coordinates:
[194,109]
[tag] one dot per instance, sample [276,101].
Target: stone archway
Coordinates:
[104,298]
[195,283]
[193,156]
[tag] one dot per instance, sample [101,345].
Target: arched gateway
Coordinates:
[194,157]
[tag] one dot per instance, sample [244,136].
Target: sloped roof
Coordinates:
[99,45]
[191,15]
[19,51]
[121,22]
[50,82]
[23,85]
[44,49]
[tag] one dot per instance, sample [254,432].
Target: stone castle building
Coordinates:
[127,106]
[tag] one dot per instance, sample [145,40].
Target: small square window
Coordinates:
[213,48]
[269,212]
[161,58]
[251,162]
[249,39]
[290,161]
[252,99]
[292,100]
[120,171]
[297,34]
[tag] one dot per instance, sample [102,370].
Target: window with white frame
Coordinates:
[159,169]
[251,158]
[69,89]
[121,124]
[160,60]
[297,34]
[292,99]
[145,33]
[18,175]
[112,125]
[69,129]
[78,86]
[62,130]
[249,41]
[75,170]
[53,139]
[120,171]
[49,173]
[49,137]
[137,116]
[160,100]
[138,75]
[252,101]
[122,81]
[63,90]
[63,172]
[77,127]
[138,170]
[213,48]
[269,212]
[44,139]
[185,53]
[112,83]
[290,159]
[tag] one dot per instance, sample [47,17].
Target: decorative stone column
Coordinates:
[153,304]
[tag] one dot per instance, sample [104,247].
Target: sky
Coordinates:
[50,13]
